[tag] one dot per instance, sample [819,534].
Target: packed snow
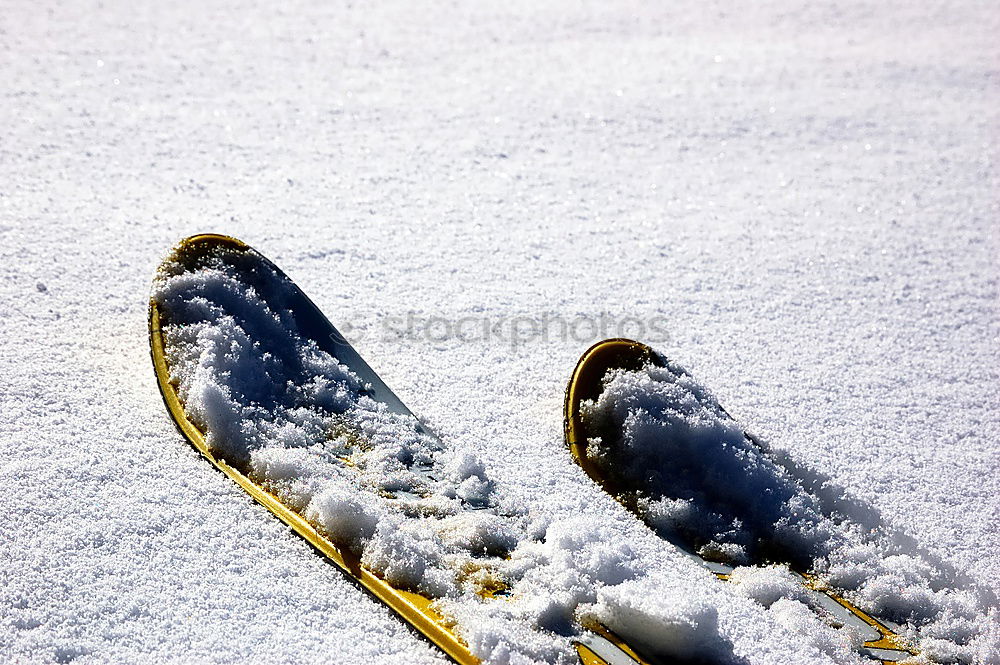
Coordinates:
[796,202]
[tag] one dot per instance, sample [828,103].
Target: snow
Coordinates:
[698,480]
[797,203]
[697,473]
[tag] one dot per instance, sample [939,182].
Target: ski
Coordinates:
[595,442]
[263,386]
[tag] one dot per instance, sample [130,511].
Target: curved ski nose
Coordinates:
[585,382]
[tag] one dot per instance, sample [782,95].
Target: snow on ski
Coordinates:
[648,433]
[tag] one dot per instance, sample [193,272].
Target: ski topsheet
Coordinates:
[268,391]
[647,433]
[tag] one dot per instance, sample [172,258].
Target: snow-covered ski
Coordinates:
[674,457]
[266,389]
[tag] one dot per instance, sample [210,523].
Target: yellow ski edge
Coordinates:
[587,374]
[412,607]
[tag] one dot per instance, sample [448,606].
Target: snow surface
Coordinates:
[806,195]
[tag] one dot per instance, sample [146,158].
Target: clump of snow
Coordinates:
[682,627]
[343,515]
[698,479]
[796,608]
[767,584]
[840,644]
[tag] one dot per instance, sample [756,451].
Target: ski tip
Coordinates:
[194,245]
[585,383]
[198,245]
[211,238]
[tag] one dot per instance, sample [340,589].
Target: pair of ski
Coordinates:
[596,645]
